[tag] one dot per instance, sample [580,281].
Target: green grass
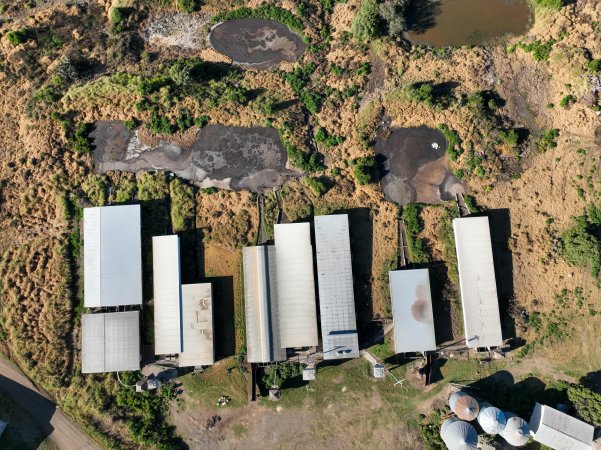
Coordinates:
[224,378]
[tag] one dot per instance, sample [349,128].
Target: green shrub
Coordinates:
[317,186]
[184,120]
[567,101]
[421,93]
[594,65]
[277,375]
[413,226]
[364,169]
[509,138]
[182,206]
[118,19]
[16,37]
[367,22]
[159,124]
[554,4]
[188,6]
[201,121]
[540,51]
[307,162]
[587,403]
[580,247]
[80,141]
[328,141]
[131,124]
[264,11]
[548,140]
[454,149]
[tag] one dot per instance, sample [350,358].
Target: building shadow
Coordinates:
[191,256]
[39,408]
[441,301]
[224,334]
[592,381]
[501,390]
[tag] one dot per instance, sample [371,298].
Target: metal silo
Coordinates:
[458,435]
[465,406]
[491,419]
[517,431]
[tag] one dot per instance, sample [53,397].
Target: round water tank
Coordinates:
[516,431]
[491,419]
[465,406]
[458,435]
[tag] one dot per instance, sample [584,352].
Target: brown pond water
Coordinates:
[218,156]
[453,23]
[257,43]
[414,166]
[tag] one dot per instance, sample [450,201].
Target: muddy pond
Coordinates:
[215,156]
[257,43]
[414,166]
[453,23]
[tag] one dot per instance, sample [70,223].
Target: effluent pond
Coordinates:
[219,156]
[257,43]
[414,166]
[453,23]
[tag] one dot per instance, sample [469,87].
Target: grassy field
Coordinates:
[224,378]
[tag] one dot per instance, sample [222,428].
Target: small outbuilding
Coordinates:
[378,371]
[560,431]
[309,373]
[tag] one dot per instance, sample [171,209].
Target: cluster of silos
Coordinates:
[458,434]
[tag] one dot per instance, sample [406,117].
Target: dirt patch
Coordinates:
[218,156]
[185,31]
[414,166]
[258,43]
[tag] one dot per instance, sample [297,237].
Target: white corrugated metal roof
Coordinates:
[412,311]
[335,281]
[559,430]
[110,342]
[197,325]
[167,295]
[112,256]
[481,317]
[296,285]
[261,305]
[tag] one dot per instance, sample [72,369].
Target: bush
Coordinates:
[118,19]
[594,65]
[188,6]
[277,375]
[159,124]
[454,149]
[413,226]
[182,206]
[364,169]
[587,403]
[509,138]
[317,186]
[80,141]
[184,120]
[421,93]
[16,37]
[367,22]
[323,137]
[554,4]
[540,51]
[548,140]
[201,121]
[581,248]
[567,101]
[392,13]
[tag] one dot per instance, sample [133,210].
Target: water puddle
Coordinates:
[215,156]
[453,23]
[258,43]
[414,166]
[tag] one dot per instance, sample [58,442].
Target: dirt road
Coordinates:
[53,421]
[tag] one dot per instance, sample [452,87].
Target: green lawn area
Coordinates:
[224,378]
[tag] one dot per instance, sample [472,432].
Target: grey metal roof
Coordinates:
[110,342]
[335,281]
[197,325]
[458,435]
[167,295]
[559,430]
[412,311]
[296,285]
[482,322]
[516,431]
[261,305]
[112,256]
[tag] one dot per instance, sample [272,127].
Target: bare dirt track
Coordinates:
[56,425]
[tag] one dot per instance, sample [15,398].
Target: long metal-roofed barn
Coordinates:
[197,326]
[477,281]
[112,256]
[110,342]
[297,318]
[261,305]
[167,295]
[560,431]
[412,314]
[335,281]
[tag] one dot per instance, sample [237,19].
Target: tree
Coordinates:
[581,248]
[364,169]
[393,13]
[586,402]
[366,24]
